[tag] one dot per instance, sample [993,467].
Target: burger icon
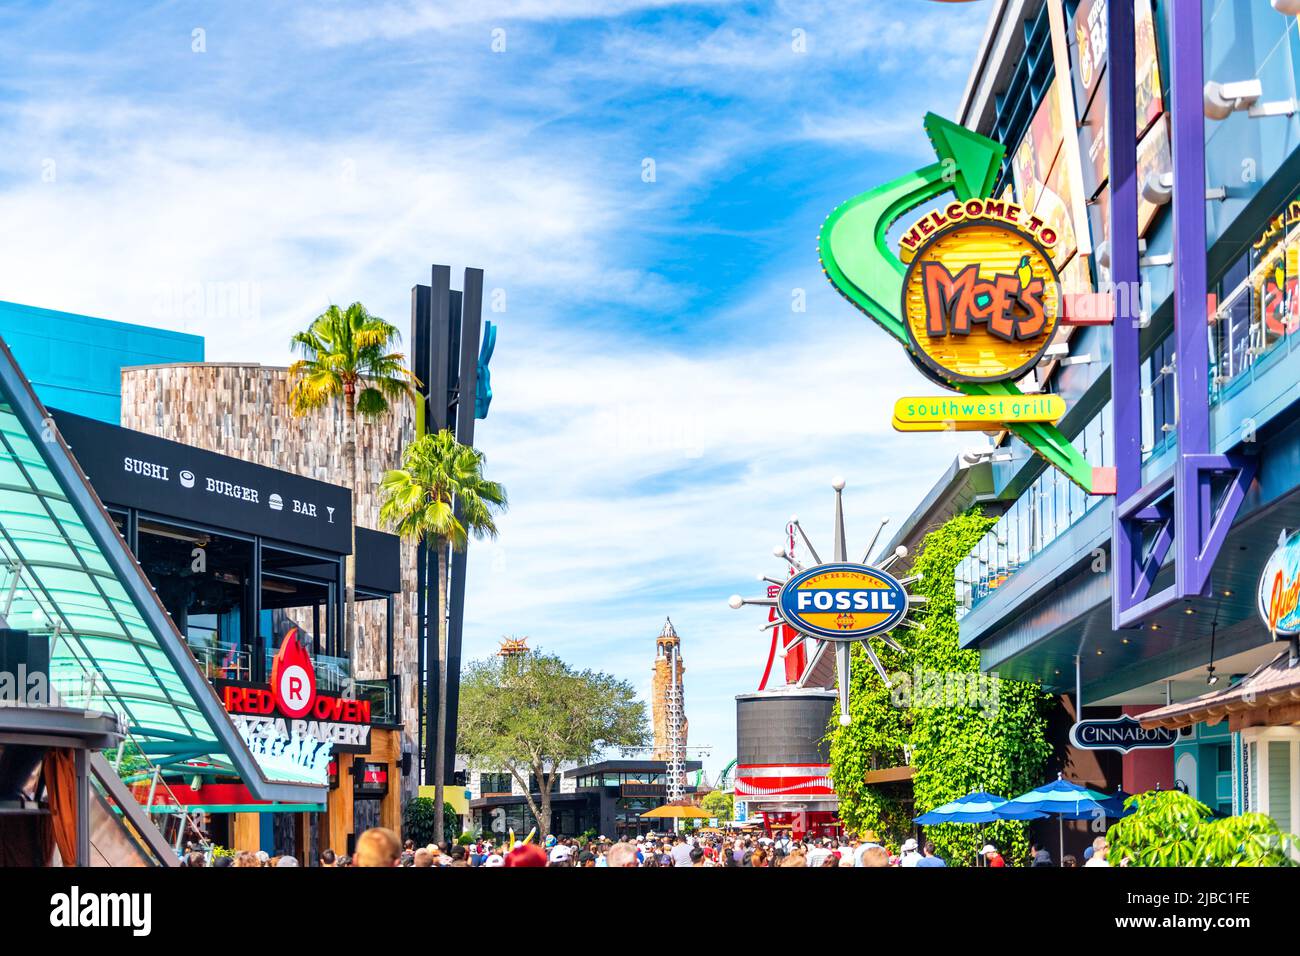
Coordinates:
[276,502]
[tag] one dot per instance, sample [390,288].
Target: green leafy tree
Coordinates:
[347,356]
[962,731]
[719,804]
[531,713]
[1170,828]
[440,497]
[420,819]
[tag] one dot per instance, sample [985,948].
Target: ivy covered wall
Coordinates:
[962,730]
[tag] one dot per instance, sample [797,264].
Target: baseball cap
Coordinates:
[495,859]
[988,848]
[560,852]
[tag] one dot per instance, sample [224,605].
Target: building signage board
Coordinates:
[1279,588]
[133,470]
[371,780]
[291,728]
[843,602]
[1120,733]
[938,413]
[972,291]
[981,298]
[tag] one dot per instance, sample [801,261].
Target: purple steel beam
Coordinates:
[1211,528]
[1125,364]
[1195,528]
[1156,555]
[1191,488]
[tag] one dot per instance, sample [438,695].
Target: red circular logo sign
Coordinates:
[293,679]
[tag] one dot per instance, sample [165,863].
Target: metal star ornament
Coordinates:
[841,601]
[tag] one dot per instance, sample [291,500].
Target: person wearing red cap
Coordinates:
[527,855]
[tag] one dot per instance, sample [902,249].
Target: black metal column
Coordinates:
[257,665]
[471,318]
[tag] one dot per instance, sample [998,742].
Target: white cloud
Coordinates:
[150,215]
[336,25]
[650,482]
[651,469]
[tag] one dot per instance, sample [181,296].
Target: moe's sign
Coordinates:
[1279,588]
[981,298]
[970,291]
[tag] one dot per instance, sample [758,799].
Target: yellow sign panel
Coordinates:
[974,413]
[981,298]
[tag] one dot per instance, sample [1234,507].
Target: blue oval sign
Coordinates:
[842,602]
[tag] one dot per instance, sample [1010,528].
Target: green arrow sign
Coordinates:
[859,262]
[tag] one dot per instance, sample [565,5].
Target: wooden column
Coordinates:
[246,831]
[386,747]
[338,809]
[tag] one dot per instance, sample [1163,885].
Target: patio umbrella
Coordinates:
[1114,804]
[977,807]
[677,811]
[1062,799]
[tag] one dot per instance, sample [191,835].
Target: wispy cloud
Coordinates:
[662,404]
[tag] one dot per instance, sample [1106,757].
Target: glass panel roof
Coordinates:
[106,650]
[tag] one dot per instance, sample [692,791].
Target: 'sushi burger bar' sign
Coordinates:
[292,729]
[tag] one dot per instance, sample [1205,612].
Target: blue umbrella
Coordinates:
[1062,799]
[1114,804]
[977,807]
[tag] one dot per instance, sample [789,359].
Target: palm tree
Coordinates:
[347,355]
[440,496]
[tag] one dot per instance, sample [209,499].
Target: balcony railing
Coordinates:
[1046,510]
[333,676]
[1256,318]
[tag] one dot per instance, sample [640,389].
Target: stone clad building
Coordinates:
[243,410]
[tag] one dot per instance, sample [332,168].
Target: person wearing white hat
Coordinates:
[991,856]
[908,853]
[494,859]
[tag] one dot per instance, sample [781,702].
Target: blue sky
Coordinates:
[660,408]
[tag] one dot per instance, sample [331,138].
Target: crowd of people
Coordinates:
[379,847]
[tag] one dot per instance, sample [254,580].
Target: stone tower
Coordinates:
[668,699]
